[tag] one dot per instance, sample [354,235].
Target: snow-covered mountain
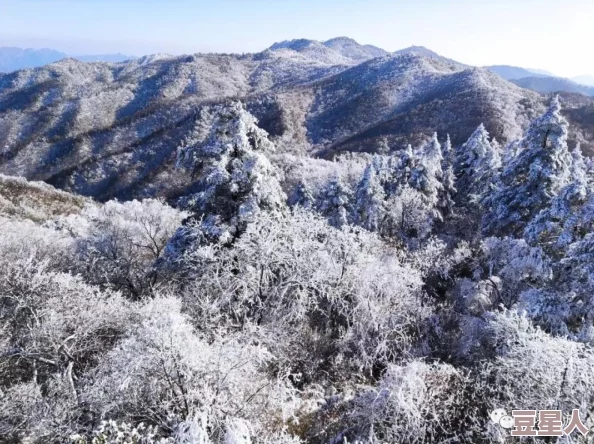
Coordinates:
[353,50]
[112,130]
[425,52]
[337,51]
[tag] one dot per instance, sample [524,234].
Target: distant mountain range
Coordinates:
[13,59]
[553,84]
[543,81]
[584,80]
[515,72]
[112,130]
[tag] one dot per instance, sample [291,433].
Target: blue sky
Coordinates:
[546,34]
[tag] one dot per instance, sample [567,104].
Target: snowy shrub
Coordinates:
[55,328]
[408,217]
[112,432]
[118,243]
[23,239]
[533,370]
[164,372]
[416,402]
[298,271]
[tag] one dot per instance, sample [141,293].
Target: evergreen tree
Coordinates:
[334,202]
[532,178]
[446,198]
[235,178]
[511,150]
[400,168]
[562,223]
[383,147]
[426,175]
[302,196]
[370,198]
[477,164]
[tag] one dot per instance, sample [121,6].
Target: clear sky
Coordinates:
[547,34]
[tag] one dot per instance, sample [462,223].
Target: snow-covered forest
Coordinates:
[390,298]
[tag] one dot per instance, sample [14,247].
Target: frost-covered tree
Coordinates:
[311,284]
[227,152]
[525,354]
[370,206]
[562,222]
[164,372]
[512,266]
[383,146]
[510,151]
[302,195]
[407,217]
[410,405]
[532,178]
[334,202]
[403,164]
[446,196]
[477,164]
[54,329]
[117,243]
[427,175]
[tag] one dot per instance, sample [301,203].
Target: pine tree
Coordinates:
[334,202]
[560,224]
[511,150]
[446,198]
[302,196]
[532,178]
[235,178]
[370,198]
[383,146]
[400,168]
[426,175]
[477,164]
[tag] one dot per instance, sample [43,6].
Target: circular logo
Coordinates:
[497,414]
[507,422]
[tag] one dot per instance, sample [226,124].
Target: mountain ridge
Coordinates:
[112,130]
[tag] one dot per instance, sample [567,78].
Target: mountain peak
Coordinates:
[295,44]
[338,50]
[340,39]
[350,48]
[426,52]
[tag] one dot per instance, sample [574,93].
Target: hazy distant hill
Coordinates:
[553,84]
[112,130]
[113,58]
[515,72]
[543,81]
[13,59]
[584,80]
